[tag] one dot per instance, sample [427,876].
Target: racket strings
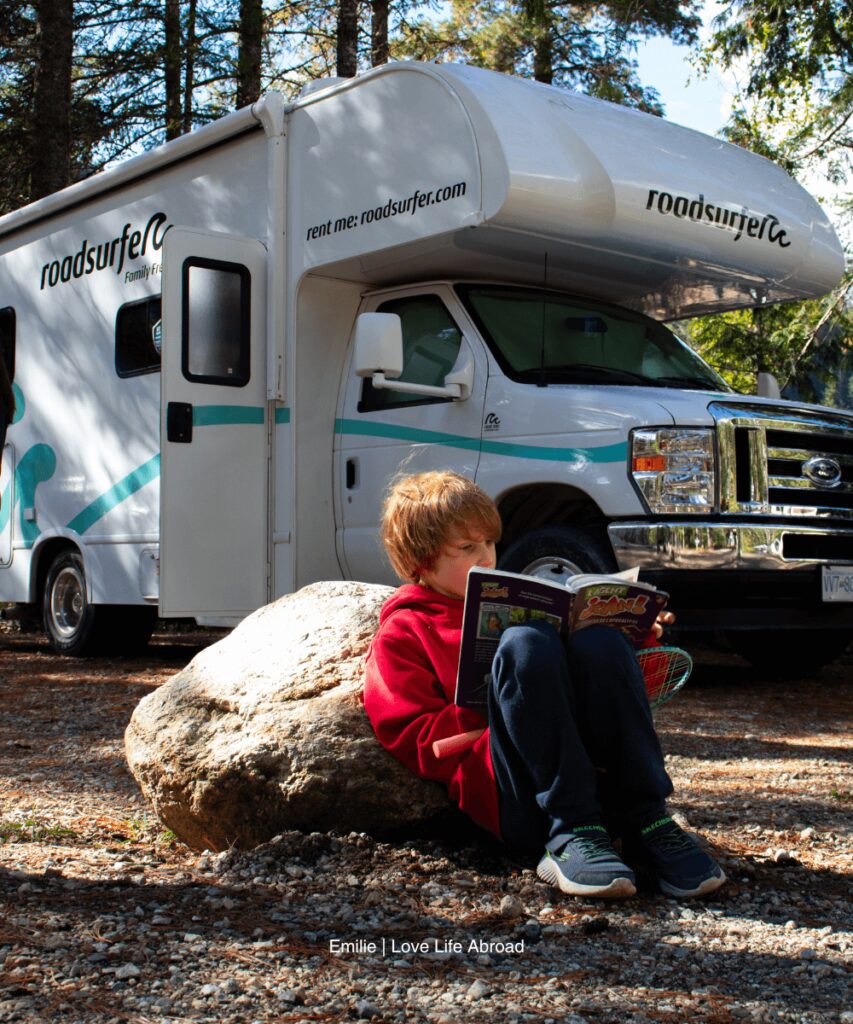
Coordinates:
[665,670]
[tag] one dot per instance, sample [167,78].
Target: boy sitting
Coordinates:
[570,750]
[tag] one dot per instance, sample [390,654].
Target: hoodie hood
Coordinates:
[423,600]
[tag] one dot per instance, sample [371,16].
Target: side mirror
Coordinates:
[768,386]
[378,345]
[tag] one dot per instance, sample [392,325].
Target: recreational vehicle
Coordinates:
[223,349]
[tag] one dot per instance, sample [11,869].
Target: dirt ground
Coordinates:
[761,769]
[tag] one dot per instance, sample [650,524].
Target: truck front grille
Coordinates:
[785,463]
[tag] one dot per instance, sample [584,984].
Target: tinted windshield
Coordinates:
[544,338]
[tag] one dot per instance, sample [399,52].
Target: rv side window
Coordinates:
[138,337]
[431,343]
[7,339]
[215,332]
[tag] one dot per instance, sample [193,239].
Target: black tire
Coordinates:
[556,552]
[70,621]
[798,652]
[77,628]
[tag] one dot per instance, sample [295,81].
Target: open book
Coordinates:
[495,600]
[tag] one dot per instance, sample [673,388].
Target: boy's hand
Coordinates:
[663,620]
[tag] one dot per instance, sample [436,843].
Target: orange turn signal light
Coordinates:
[649,464]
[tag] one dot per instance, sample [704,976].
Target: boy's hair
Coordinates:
[421,510]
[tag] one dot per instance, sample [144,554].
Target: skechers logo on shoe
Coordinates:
[654,825]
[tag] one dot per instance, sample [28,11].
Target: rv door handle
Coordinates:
[179,422]
[352,473]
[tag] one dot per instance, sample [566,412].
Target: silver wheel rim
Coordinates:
[554,568]
[67,602]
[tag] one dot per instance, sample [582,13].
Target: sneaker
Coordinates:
[584,863]
[681,866]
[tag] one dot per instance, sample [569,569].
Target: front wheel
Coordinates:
[557,552]
[798,652]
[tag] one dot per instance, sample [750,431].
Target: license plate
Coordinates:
[837,582]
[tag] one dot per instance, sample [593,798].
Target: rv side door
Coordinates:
[213,495]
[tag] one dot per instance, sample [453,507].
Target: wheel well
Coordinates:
[529,508]
[46,554]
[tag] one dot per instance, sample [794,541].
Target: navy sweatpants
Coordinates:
[572,737]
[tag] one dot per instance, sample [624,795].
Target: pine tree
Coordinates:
[347,38]
[50,134]
[249,59]
[581,45]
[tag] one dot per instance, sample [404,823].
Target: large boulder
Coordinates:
[265,730]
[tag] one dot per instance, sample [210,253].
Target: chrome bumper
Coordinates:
[715,545]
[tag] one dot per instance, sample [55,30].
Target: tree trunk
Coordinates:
[251,34]
[347,39]
[189,71]
[543,57]
[50,151]
[172,68]
[379,32]
[541,30]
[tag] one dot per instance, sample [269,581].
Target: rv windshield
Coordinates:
[541,337]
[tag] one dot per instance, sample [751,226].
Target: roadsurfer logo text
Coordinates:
[763,227]
[131,243]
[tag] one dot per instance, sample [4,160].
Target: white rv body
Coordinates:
[236,475]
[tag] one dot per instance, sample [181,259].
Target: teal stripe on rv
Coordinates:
[282,415]
[132,483]
[35,467]
[20,403]
[203,416]
[5,511]
[215,415]
[605,453]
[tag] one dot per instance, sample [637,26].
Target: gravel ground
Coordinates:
[107,918]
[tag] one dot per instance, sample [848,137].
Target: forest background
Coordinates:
[84,83]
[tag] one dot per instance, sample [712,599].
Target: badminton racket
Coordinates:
[665,670]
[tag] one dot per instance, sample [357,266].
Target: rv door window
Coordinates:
[137,336]
[431,343]
[215,334]
[7,339]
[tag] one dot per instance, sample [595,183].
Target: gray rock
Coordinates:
[265,731]
[511,906]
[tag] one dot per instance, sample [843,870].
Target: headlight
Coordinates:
[674,469]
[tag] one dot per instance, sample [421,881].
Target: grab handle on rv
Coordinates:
[179,422]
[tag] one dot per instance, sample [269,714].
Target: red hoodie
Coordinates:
[409,687]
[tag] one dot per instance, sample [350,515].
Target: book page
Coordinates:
[494,601]
[581,579]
